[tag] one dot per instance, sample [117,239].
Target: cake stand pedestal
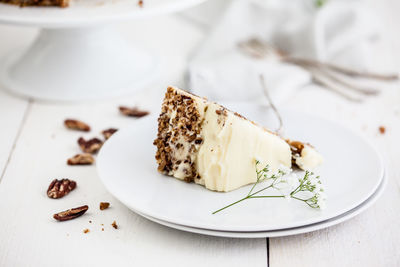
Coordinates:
[78,64]
[80,57]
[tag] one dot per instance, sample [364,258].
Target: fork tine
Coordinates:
[251,50]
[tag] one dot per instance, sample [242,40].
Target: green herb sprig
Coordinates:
[309,185]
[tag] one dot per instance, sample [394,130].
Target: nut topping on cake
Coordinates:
[178,139]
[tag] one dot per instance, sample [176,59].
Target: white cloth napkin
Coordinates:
[339,32]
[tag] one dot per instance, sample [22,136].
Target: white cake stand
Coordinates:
[77,55]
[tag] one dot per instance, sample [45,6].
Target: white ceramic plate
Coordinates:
[351,173]
[89,12]
[284,232]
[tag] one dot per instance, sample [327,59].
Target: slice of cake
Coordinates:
[204,142]
[22,3]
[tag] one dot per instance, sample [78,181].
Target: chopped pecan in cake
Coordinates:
[296,147]
[178,138]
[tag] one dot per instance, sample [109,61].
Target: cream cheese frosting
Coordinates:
[201,141]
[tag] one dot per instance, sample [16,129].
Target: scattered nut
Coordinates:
[107,133]
[140,3]
[60,188]
[114,224]
[70,214]
[382,130]
[133,112]
[102,229]
[90,146]
[104,205]
[85,231]
[81,159]
[76,125]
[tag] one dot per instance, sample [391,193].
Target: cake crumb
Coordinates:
[102,229]
[382,129]
[114,224]
[86,231]
[104,205]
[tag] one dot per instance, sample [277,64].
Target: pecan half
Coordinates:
[70,214]
[90,146]
[81,159]
[295,146]
[133,112]
[104,205]
[60,188]
[107,133]
[76,125]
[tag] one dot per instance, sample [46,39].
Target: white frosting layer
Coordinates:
[182,153]
[309,158]
[226,159]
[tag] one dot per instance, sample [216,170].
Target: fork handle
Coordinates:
[338,78]
[319,78]
[345,71]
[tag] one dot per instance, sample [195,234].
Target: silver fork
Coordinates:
[323,73]
[280,130]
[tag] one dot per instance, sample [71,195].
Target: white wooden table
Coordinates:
[34,147]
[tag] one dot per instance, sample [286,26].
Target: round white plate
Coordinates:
[284,232]
[89,12]
[351,174]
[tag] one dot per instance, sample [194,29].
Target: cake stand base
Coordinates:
[71,64]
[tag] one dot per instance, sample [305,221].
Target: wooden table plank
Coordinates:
[12,109]
[40,156]
[29,236]
[372,238]
[11,121]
